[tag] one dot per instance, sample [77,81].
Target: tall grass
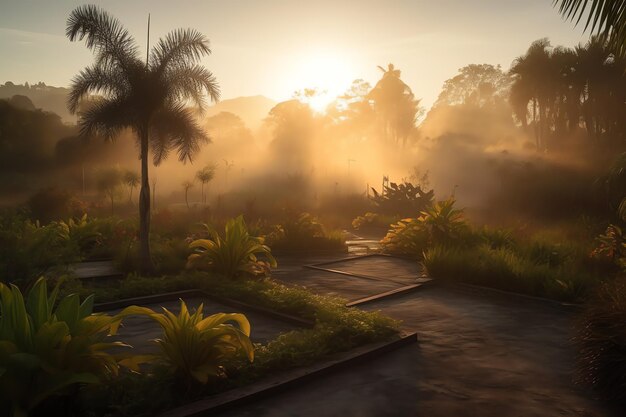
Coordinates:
[509,269]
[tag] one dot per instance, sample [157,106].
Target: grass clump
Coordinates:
[601,342]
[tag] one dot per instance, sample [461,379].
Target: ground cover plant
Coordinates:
[337,328]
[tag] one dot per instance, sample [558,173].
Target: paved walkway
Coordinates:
[477,355]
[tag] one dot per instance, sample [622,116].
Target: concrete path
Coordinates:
[478,355]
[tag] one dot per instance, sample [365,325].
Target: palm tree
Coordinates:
[205,175]
[132,180]
[606,18]
[186,186]
[145,97]
[395,103]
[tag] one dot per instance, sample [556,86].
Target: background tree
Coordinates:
[205,175]
[476,84]
[146,97]
[395,105]
[132,180]
[108,181]
[186,186]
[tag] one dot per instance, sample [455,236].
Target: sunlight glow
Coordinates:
[328,72]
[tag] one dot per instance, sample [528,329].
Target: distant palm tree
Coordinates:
[132,180]
[205,175]
[606,18]
[146,97]
[186,186]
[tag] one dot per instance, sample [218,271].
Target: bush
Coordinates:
[441,224]
[601,342]
[233,254]
[47,347]
[304,232]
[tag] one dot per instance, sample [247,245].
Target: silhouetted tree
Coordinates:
[475,84]
[395,104]
[146,97]
[132,180]
[205,175]
[186,186]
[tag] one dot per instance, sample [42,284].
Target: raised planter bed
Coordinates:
[287,380]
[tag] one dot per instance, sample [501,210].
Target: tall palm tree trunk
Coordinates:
[145,260]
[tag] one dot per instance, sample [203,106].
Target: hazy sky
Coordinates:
[273,47]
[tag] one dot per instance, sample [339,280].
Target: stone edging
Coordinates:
[287,380]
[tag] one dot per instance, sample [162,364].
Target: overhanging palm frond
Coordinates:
[102,33]
[604,17]
[96,80]
[107,118]
[174,128]
[179,47]
[191,82]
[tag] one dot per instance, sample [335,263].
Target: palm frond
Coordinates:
[96,80]
[174,128]
[191,82]
[179,47]
[102,33]
[106,118]
[604,17]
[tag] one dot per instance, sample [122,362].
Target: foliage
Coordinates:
[196,347]
[440,224]
[29,249]
[511,269]
[46,349]
[604,17]
[611,246]
[601,341]
[146,97]
[401,200]
[232,254]
[50,203]
[304,232]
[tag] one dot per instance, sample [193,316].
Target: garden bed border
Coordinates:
[288,379]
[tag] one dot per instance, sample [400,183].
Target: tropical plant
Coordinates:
[46,348]
[234,253]
[404,199]
[197,347]
[605,17]
[441,224]
[146,97]
[205,175]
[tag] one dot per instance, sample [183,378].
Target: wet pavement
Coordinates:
[477,355]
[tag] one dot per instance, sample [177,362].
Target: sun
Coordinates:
[328,72]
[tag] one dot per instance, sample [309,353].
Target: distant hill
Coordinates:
[43,96]
[252,110]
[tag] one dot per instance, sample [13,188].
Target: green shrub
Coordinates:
[601,341]
[46,349]
[440,224]
[196,347]
[304,232]
[233,254]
